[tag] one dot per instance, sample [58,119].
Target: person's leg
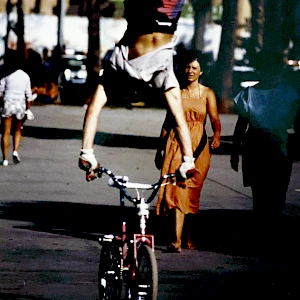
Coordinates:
[190,225]
[17,137]
[179,220]
[281,183]
[6,123]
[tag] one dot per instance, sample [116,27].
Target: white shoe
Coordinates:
[16,157]
[5,162]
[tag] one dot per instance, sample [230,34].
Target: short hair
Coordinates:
[191,55]
[269,62]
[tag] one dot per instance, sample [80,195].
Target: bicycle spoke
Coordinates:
[109,279]
[146,278]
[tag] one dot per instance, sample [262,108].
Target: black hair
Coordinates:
[269,62]
[191,55]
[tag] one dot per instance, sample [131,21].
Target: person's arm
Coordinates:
[2,88]
[87,159]
[174,102]
[214,118]
[162,141]
[296,151]
[28,94]
[239,132]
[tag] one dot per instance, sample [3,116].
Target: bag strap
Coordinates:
[201,145]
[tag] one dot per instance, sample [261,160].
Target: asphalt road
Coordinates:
[50,217]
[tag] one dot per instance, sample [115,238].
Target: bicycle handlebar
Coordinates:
[122,183]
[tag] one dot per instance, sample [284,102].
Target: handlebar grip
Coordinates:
[84,165]
[191,173]
[120,179]
[111,182]
[181,181]
[90,176]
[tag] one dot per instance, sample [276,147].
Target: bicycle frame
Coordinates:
[138,238]
[124,252]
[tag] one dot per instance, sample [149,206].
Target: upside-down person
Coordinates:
[143,57]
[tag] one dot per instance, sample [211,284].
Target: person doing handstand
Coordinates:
[143,57]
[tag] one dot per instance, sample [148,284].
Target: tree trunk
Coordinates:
[93,56]
[82,8]
[37,7]
[223,71]
[257,26]
[202,16]
[8,26]
[273,39]
[20,31]
[289,24]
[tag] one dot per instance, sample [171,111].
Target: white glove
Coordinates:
[88,155]
[29,114]
[188,164]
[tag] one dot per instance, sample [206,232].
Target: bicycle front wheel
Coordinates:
[109,275]
[146,276]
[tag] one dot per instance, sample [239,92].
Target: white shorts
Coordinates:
[12,107]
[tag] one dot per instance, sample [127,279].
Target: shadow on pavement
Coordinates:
[232,232]
[11,296]
[110,139]
[255,264]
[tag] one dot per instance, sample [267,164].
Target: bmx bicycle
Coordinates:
[128,267]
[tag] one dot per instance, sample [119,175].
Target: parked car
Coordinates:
[73,77]
[74,68]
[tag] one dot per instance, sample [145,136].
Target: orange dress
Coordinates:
[186,199]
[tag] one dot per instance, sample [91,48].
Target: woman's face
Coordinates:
[193,71]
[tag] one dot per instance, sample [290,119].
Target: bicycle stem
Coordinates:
[144,214]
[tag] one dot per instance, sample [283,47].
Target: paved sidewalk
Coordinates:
[50,217]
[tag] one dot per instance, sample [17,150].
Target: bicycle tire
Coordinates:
[109,274]
[145,284]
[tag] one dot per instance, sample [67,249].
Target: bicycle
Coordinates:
[128,266]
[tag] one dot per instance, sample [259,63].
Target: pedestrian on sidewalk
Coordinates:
[178,203]
[143,58]
[16,97]
[266,112]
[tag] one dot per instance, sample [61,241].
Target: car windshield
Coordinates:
[74,64]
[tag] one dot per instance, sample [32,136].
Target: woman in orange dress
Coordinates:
[175,200]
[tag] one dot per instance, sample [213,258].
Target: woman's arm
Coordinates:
[212,110]
[28,94]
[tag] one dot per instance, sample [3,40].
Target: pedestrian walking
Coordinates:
[181,204]
[16,97]
[266,112]
[143,58]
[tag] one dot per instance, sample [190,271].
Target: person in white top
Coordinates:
[15,101]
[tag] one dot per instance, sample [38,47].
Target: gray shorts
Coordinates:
[154,68]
